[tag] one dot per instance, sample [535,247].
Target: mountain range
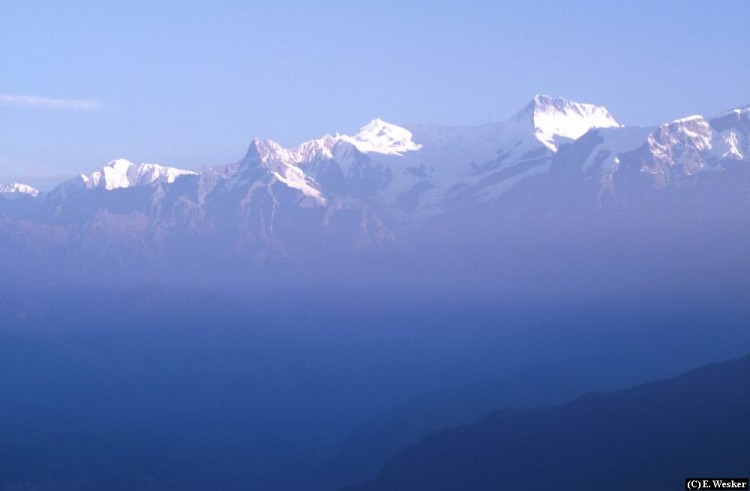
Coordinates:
[553,163]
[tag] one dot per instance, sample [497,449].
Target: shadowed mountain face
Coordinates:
[650,437]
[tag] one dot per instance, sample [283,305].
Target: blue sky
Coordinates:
[190,83]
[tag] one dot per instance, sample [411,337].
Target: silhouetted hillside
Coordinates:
[649,437]
[637,335]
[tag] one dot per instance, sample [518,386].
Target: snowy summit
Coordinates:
[122,173]
[18,188]
[377,136]
[554,117]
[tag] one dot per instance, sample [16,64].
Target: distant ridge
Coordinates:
[650,437]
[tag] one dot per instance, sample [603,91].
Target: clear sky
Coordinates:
[189,83]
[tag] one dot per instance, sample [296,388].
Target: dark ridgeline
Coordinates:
[633,336]
[650,437]
[164,388]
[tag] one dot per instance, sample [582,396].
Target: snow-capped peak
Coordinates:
[736,118]
[267,150]
[744,110]
[287,164]
[283,164]
[554,117]
[122,173]
[264,149]
[378,136]
[17,187]
[689,119]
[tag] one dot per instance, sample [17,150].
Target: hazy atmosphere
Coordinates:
[374,246]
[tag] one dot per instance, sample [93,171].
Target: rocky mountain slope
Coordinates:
[553,162]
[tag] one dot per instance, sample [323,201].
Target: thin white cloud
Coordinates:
[48,103]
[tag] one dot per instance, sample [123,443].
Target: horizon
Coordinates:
[179,85]
[45,183]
